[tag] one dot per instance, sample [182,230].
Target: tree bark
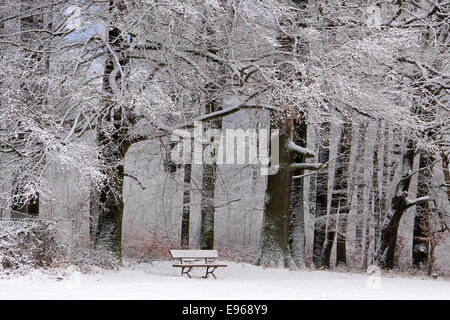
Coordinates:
[361,186]
[208,188]
[341,238]
[377,183]
[420,248]
[186,206]
[113,142]
[339,197]
[297,208]
[445,170]
[388,237]
[321,197]
[109,227]
[275,249]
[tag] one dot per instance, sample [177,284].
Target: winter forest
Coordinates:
[296,134]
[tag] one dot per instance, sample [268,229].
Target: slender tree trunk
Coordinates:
[377,180]
[445,169]
[321,197]
[94,213]
[367,228]
[186,206]
[387,160]
[431,259]
[375,196]
[339,195]
[361,186]
[345,200]
[421,219]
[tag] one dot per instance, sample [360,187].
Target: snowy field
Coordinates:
[239,281]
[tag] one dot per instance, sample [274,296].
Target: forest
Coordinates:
[299,134]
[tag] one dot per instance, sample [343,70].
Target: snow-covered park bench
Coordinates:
[189,259]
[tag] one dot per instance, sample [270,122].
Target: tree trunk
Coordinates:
[208,188]
[297,208]
[399,204]
[339,196]
[207,206]
[421,219]
[377,183]
[361,186]
[112,140]
[321,197]
[108,237]
[94,213]
[186,206]
[275,249]
[341,238]
[109,228]
[445,169]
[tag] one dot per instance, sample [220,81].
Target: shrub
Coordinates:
[29,244]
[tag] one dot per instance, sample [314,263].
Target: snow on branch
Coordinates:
[311,166]
[410,203]
[307,166]
[296,148]
[223,113]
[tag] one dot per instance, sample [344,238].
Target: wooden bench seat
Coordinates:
[190,259]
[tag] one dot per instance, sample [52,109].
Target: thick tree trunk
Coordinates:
[339,195]
[321,197]
[275,249]
[108,237]
[297,209]
[207,206]
[208,188]
[112,140]
[109,228]
[399,204]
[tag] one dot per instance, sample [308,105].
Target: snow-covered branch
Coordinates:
[411,203]
[306,166]
[296,148]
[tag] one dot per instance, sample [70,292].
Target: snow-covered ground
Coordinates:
[239,281]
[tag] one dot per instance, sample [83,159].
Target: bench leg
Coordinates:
[187,272]
[210,272]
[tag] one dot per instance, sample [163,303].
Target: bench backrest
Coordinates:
[194,254]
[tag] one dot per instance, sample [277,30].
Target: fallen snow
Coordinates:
[159,280]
